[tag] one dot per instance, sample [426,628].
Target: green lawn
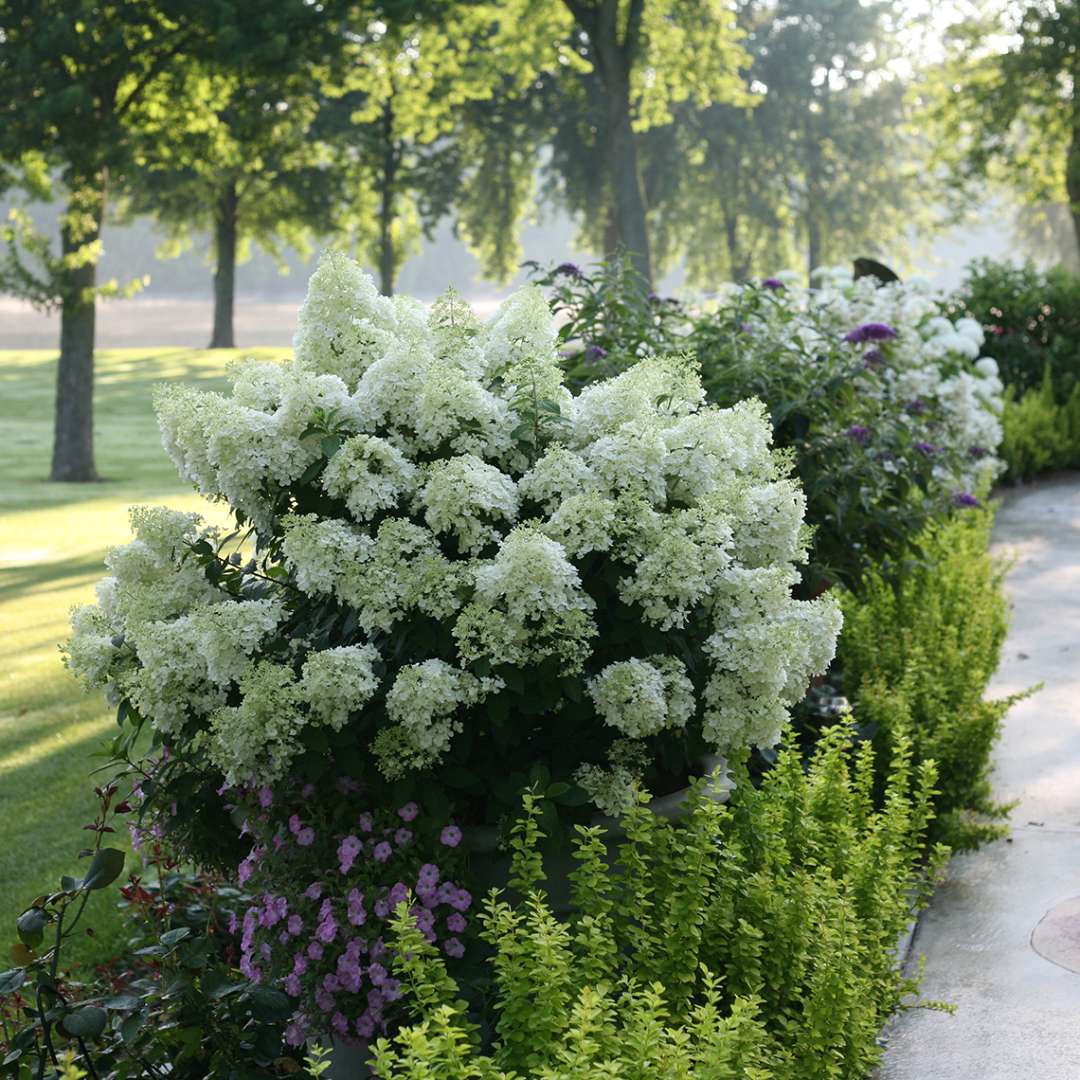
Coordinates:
[53,538]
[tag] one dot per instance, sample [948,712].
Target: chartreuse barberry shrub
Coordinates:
[892,415]
[1039,433]
[917,654]
[751,941]
[448,571]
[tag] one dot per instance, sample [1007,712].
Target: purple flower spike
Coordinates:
[569,269]
[926,448]
[772,283]
[595,352]
[859,433]
[964,500]
[978,452]
[871,331]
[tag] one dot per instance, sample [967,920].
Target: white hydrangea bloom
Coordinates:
[403,570]
[464,495]
[521,330]
[344,322]
[90,652]
[227,635]
[682,559]
[254,742]
[338,681]
[558,474]
[632,457]
[709,449]
[423,705]
[369,475]
[765,648]
[171,684]
[530,578]
[667,387]
[583,523]
[318,551]
[643,697]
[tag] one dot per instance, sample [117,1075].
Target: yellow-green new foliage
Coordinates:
[755,941]
[1039,433]
[918,651]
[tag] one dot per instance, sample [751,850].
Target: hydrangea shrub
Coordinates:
[449,572]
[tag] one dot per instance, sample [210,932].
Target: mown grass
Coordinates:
[53,538]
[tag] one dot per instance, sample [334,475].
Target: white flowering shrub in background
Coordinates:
[931,365]
[452,576]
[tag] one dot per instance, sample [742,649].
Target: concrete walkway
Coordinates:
[1018,1013]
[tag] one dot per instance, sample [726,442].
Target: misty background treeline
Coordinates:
[704,140]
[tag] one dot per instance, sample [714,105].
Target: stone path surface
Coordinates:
[1018,1012]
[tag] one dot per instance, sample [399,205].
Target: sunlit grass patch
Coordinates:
[53,539]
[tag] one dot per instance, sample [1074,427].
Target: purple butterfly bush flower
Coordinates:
[595,352]
[871,331]
[860,434]
[775,284]
[926,448]
[873,359]
[978,452]
[569,269]
[964,500]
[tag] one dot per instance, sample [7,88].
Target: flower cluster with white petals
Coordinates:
[928,363]
[449,561]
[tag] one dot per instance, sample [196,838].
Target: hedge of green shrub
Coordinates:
[1041,434]
[917,652]
[1032,319]
[757,940]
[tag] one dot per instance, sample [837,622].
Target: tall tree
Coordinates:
[76,76]
[822,164]
[1006,103]
[245,165]
[646,57]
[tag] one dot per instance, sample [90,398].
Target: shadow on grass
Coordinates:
[49,577]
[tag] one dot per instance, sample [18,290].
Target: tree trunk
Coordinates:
[73,432]
[813,241]
[627,229]
[223,336]
[731,238]
[1072,163]
[621,164]
[387,257]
